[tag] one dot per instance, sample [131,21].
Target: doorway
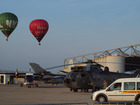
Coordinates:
[2,79]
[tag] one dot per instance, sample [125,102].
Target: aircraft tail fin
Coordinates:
[37,68]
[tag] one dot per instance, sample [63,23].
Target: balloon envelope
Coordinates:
[8,22]
[39,28]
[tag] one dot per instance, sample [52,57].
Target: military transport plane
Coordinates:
[46,75]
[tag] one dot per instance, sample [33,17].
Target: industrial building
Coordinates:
[117,60]
[4,78]
[11,77]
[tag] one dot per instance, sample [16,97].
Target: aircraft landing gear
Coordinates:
[36,85]
[75,90]
[85,90]
[29,86]
[21,85]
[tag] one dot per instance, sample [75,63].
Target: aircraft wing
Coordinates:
[64,72]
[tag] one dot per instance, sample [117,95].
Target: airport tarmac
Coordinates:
[44,94]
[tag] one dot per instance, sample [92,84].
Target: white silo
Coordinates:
[116,63]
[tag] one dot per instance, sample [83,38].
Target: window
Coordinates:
[116,86]
[83,74]
[129,86]
[69,74]
[138,86]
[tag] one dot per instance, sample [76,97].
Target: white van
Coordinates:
[125,89]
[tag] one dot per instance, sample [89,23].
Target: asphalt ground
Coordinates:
[44,94]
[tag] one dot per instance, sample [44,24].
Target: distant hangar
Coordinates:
[11,77]
[118,60]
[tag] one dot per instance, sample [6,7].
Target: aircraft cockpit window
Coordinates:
[99,69]
[68,75]
[96,68]
[116,86]
[73,75]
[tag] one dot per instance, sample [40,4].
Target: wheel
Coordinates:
[21,85]
[36,85]
[138,98]
[85,90]
[101,99]
[75,90]
[29,86]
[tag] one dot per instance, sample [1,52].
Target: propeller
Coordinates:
[88,61]
[81,68]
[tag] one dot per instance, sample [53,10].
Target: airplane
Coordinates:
[92,76]
[42,74]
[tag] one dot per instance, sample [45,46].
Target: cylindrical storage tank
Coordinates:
[70,65]
[116,63]
[102,61]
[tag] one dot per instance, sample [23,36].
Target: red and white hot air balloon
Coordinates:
[39,28]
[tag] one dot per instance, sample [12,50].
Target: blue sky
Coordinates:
[76,27]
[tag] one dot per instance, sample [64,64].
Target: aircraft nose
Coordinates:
[66,80]
[69,80]
[73,79]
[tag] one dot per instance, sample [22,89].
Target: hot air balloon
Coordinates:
[39,28]
[8,22]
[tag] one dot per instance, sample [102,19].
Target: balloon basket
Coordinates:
[39,44]
[7,39]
